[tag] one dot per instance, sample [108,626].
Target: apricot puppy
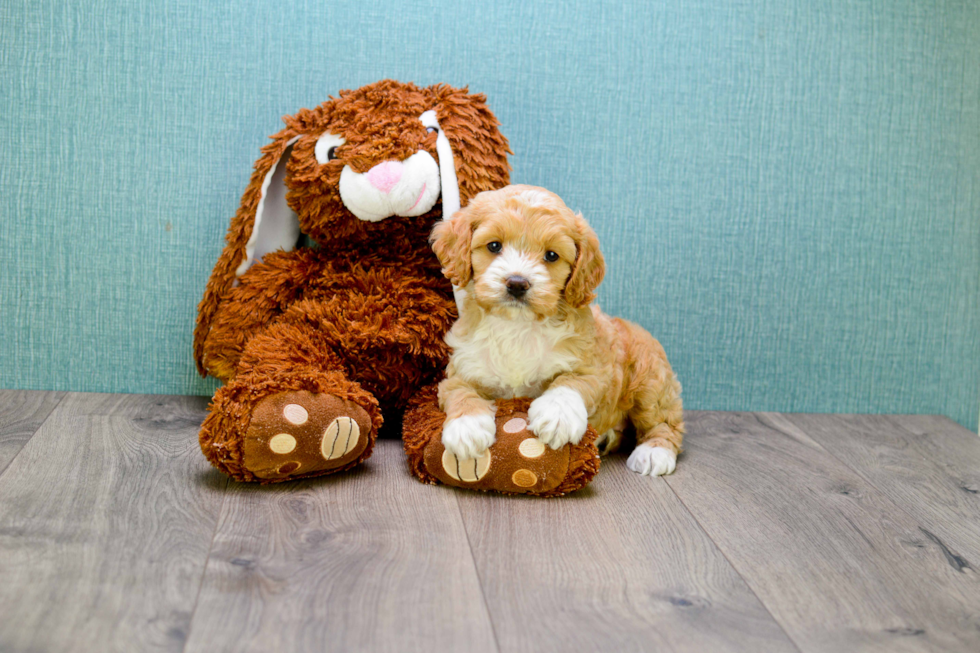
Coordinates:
[525,268]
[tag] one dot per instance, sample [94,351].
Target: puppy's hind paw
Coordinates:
[649,460]
[467,437]
[558,417]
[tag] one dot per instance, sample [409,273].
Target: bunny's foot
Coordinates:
[271,429]
[299,433]
[516,463]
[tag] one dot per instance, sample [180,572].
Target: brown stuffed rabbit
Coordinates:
[316,342]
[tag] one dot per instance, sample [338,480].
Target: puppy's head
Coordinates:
[525,251]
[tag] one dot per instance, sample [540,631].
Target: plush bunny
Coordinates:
[327,308]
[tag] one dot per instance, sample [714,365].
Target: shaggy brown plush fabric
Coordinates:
[516,464]
[362,315]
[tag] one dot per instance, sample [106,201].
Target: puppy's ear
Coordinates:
[589,266]
[451,241]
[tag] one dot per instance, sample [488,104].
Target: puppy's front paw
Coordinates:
[469,436]
[649,460]
[558,417]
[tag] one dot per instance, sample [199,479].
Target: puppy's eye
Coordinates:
[550,256]
[432,130]
[332,153]
[494,246]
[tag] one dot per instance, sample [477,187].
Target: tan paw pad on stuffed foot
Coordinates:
[298,433]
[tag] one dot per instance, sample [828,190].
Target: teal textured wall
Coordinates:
[788,193]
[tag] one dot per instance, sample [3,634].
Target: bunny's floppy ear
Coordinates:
[472,158]
[447,165]
[589,268]
[264,223]
[470,143]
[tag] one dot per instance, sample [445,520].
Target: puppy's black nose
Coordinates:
[517,286]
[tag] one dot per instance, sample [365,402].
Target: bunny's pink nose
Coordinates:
[385,175]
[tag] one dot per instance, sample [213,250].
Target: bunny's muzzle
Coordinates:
[406,188]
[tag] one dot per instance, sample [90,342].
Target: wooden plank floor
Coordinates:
[776,533]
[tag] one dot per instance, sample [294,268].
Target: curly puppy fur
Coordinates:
[529,267]
[362,313]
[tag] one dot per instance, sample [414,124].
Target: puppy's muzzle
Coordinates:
[517,286]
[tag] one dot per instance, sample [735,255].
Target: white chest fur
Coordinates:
[513,357]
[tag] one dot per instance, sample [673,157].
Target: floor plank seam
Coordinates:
[476,571]
[207,563]
[893,419]
[54,409]
[734,568]
[944,549]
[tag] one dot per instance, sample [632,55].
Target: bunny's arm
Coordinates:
[262,295]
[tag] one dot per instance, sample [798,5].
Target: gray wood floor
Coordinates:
[776,533]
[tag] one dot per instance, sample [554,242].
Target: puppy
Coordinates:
[525,268]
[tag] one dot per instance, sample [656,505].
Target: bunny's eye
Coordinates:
[494,246]
[551,256]
[326,147]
